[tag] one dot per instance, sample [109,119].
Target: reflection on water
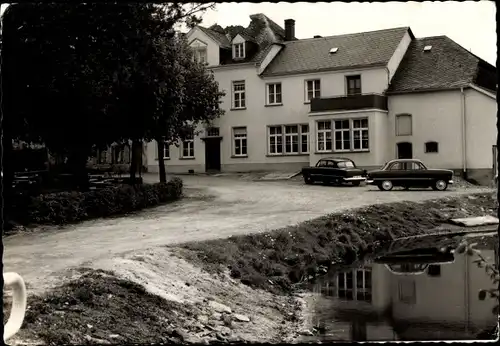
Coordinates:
[416,290]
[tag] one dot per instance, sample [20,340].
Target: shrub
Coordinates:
[67,207]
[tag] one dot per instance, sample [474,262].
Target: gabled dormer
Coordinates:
[199,50]
[243,47]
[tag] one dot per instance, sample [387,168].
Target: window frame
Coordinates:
[334,132]
[240,48]
[197,54]
[398,130]
[242,93]
[426,149]
[275,94]
[300,135]
[290,136]
[240,139]
[190,147]
[325,140]
[355,77]
[314,89]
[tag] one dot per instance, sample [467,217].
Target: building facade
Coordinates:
[371,97]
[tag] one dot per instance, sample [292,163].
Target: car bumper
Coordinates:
[351,179]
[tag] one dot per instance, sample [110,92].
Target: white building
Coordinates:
[370,96]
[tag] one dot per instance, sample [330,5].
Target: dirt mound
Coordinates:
[101,307]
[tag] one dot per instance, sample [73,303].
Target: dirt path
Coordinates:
[214,208]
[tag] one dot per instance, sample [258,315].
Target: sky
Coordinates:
[470,24]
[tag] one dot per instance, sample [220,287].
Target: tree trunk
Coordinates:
[135,165]
[79,170]
[161,161]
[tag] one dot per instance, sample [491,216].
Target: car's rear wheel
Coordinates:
[307,179]
[440,185]
[356,183]
[386,185]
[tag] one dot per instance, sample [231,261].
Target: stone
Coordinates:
[114,336]
[306,333]
[202,318]
[193,339]
[181,334]
[241,318]
[217,316]
[223,330]
[218,307]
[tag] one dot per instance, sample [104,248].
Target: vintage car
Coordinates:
[334,170]
[409,173]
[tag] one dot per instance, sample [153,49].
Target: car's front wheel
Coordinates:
[440,185]
[386,185]
[307,179]
[356,183]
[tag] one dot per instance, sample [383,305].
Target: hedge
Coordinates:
[68,207]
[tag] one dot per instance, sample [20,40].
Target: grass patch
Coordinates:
[277,260]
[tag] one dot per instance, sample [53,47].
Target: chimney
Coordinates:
[289,29]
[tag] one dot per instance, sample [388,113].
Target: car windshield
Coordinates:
[345,164]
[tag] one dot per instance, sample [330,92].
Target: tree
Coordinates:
[73,70]
[189,97]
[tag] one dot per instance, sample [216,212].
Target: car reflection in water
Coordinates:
[414,291]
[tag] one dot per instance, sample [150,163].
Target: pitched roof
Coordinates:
[262,31]
[446,66]
[220,38]
[354,50]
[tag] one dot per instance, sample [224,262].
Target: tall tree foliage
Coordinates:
[79,75]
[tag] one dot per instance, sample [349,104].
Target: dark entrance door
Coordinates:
[405,150]
[212,154]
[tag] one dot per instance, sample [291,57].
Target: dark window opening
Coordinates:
[431,147]
[434,270]
[353,85]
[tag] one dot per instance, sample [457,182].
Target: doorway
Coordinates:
[405,150]
[212,154]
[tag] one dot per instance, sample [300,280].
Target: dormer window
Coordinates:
[238,50]
[200,55]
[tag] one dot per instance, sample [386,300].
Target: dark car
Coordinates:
[334,170]
[409,173]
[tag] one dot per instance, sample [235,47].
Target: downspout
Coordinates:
[464,138]
[388,77]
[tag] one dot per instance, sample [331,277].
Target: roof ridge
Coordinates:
[341,35]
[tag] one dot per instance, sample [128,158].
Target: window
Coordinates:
[239,94]
[275,140]
[239,50]
[313,89]
[324,137]
[346,285]
[304,138]
[213,132]
[187,147]
[345,164]
[291,139]
[288,139]
[342,135]
[274,94]
[364,285]
[200,55]
[360,134]
[434,270]
[431,147]
[240,141]
[348,135]
[403,125]
[353,85]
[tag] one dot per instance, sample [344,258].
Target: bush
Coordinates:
[67,207]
